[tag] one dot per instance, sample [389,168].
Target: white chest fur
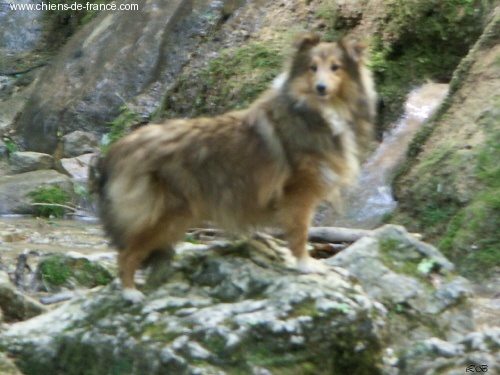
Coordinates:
[337,123]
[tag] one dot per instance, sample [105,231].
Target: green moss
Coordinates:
[436,215]
[232,80]
[91,275]
[55,271]
[159,333]
[281,363]
[390,250]
[59,270]
[121,125]
[51,201]
[403,259]
[422,40]
[305,308]
[191,239]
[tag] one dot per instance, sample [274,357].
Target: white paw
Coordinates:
[132,295]
[311,265]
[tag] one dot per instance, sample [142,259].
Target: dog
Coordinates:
[298,144]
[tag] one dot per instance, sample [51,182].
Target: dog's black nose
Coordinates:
[321,88]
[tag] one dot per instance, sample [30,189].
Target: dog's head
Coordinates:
[321,71]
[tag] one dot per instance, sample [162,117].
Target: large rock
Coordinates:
[234,309]
[77,167]
[14,189]
[414,281]
[108,62]
[78,143]
[28,161]
[14,305]
[241,308]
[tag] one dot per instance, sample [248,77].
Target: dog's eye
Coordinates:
[313,68]
[335,67]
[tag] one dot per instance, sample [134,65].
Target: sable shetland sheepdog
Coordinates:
[297,145]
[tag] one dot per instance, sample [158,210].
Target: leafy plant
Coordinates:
[11,146]
[55,271]
[50,201]
[121,125]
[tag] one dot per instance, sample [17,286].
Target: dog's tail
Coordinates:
[99,175]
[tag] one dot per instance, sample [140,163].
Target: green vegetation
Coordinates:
[402,258]
[59,270]
[121,125]
[50,201]
[11,146]
[55,271]
[420,41]
[232,80]
[472,239]
[306,307]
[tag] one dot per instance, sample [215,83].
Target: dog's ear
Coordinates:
[306,41]
[355,50]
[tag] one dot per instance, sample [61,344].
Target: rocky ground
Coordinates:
[236,294]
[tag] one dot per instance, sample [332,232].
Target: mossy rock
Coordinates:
[420,41]
[71,271]
[449,187]
[231,80]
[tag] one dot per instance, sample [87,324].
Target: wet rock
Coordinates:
[14,305]
[234,308]
[27,161]
[78,143]
[14,189]
[414,281]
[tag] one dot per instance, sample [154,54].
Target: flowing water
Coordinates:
[366,204]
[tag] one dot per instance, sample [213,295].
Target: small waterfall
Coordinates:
[371,199]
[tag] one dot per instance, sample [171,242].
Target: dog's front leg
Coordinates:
[295,218]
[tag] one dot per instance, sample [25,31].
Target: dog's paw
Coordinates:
[311,265]
[133,295]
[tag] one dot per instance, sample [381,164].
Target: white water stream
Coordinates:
[371,199]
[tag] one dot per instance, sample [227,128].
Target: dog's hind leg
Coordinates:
[153,246]
[159,263]
[129,260]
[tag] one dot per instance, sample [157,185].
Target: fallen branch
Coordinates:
[329,234]
[74,209]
